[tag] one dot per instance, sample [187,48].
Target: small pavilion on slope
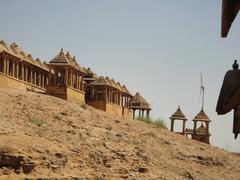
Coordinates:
[109,96]
[140,104]
[18,69]
[179,116]
[66,78]
[89,76]
[200,132]
[200,129]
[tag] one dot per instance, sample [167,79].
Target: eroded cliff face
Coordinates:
[46,137]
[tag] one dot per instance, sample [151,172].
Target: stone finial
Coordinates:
[68,54]
[61,51]
[29,56]
[13,45]
[3,43]
[74,58]
[113,80]
[23,54]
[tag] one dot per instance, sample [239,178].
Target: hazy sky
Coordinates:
[156,47]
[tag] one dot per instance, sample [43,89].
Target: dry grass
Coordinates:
[159,122]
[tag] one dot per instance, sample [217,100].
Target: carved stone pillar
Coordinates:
[17,70]
[77,81]
[110,95]
[143,113]
[50,75]
[207,127]
[35,77]
[134,113]
[172,125]
[4,65]
[115,97]
[6,71]
[148,113]
[119,99]
[7,67]
[22,72]
[26,74]
[194,127]
[39,79]
[66,77]
[43,80]
[31,76]
[54,82]
[71,78]
[1,64]
[82,84]
[130,105]
[183,127]
[13,69]
[106,94]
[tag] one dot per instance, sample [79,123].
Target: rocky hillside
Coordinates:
[46,137]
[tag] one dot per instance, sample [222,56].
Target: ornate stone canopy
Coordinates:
[101,81]
[16,51]
[66,59]
[201,116]
[178,115]
[139,102]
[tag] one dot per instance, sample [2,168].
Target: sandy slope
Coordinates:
[69,141]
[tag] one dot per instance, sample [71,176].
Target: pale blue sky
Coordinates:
[156,47]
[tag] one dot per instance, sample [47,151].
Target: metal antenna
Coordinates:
[202,89]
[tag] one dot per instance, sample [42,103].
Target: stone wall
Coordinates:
[98,104]
[202,138]
[127,113]
[13,83]
[66,92]
[75,95]
[114,109]
[56,91]
[111,108]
